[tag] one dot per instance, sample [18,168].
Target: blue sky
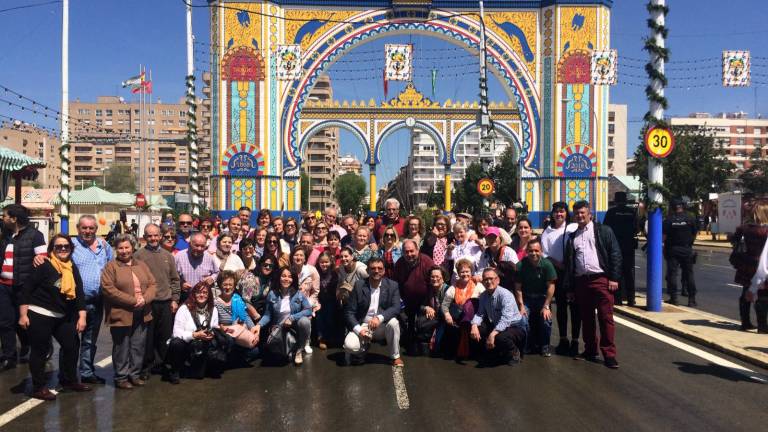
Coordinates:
[110,38]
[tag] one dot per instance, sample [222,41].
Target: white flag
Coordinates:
[399,62]
[604,67]
[288,62]
[736,65]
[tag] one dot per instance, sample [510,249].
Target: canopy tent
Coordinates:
[95,195]
[19,167]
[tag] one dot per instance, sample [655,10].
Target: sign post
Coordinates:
[485,187]
[659,142]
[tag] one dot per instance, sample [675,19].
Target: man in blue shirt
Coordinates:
[498,322]
[184,231]
[90,256]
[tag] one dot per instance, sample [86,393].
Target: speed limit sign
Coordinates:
[485,187]
[659,142]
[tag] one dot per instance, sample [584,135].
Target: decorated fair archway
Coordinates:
[536,49]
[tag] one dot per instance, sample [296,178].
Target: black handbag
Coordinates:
[220,346]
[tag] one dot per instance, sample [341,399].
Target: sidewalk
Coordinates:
[705,240]
[714,331]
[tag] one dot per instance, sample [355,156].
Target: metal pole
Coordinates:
[64,147]
[485,118]
[194,185]
[655,170]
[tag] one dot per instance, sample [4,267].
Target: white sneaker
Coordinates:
[298,360]
[308,349]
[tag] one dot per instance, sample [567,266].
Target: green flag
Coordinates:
[434,82]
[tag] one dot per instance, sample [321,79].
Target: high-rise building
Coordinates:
[36,143]
[322,154]
[738,134]
[425,173]
[204,138]
[617,140]
[159,161]
[350,163]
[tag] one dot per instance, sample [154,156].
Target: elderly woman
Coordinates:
[459,309]
[52,303]
[291,234]
[193,336]
[362,247]
[206,229]
[390,250]
[438,286]
[128,288]
[259,241]
[287,317]
[463,247]
[233,312]
[168,241]
[414,229]
[248,277]
[264,220]
[333,248]
[499,256]
[321,234]
[329,316]
[224,258]
[435,244]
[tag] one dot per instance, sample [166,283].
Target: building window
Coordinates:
[611,128]
[611,116]
[182,114]
[109,113]
[758,131]
[98,113]
[741,141]
[739,130]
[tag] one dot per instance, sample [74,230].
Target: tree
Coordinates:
[304,190]
[504,175]
[120,178]
[696,167]
[349,191]
[467,198]
[755,178]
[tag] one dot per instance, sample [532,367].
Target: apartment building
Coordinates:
[617,140]
[350,163]
[160,160]
[34,142]
[322,154]
[739,134]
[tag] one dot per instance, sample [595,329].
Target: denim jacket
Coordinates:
[300,307]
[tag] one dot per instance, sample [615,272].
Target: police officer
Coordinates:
[622,219]
[679,232]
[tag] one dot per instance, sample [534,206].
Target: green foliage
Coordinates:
[120,178]
[504,175]
[304,190]
[349,191]
[434,198]
[696,167]
[467,199]
[755,178]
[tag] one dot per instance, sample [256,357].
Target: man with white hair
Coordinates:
[391,217]
[330,216]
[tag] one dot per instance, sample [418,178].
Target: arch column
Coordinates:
[447,189]
[372,184]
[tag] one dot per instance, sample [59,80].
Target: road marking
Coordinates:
[26,406]
[637,267]
[400,391]
[718,266]
[735,285]
[692,350]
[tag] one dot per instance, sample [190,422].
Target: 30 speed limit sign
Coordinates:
[659,142]
[485,187]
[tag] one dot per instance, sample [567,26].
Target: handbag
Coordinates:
[241,335]
[275,342]
[220,346]
[739,250]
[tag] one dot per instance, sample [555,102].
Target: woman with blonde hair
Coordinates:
[748,243]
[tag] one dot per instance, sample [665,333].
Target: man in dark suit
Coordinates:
[371,314]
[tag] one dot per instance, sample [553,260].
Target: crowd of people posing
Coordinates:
[197,297]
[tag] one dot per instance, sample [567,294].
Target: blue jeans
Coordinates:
[94,314]
[540,330]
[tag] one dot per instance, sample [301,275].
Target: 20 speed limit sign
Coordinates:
[485,187]
[659,142]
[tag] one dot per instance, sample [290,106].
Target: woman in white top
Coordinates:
[463,247]
[309,281]
[553,241]
[192,335]
[224,258]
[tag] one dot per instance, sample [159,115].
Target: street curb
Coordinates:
[627,311]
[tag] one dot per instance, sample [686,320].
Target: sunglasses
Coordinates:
[273,242]
[267,266]
[206,226]
[61,247]
[389,235]
[185,223]
[168,237]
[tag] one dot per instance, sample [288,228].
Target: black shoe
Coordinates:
[172,377]
[692,301]
[24,354]
[94,379]
[573,351]
[144,375]
[610,362]
[747,327]
[672,301]
[7,365]
[594,358]
[545,351]
[562,347]
[684,293]
[631,303]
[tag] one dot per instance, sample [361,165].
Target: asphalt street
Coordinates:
[658,387]
[717,293]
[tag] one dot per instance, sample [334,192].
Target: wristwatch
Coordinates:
[545,307]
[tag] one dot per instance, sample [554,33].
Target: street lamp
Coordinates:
[104,177]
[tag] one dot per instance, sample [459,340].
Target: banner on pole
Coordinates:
[604,67]
[399,62]
[736,68]
[288,62]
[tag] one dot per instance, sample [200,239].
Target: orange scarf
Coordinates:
[463,294]
[67,287]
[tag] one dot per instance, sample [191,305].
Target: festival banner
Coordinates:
[399,62]
[736,68]
[288,62]
[604,68]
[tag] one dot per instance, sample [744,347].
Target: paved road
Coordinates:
[659,387]
[714,280]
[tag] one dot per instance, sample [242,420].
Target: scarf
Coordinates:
[462,295]
[67,277]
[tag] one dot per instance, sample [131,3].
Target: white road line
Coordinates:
[29,404]
[718,266]
[735,285]
[637,266]
[692,350]
[400,391]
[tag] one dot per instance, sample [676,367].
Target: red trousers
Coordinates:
[592,293]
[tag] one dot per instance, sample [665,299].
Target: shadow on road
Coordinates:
[724,325]
[760,349]
[713,370]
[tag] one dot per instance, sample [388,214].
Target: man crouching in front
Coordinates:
[498,322]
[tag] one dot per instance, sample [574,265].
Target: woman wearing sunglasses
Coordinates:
[53,304]
[168,240]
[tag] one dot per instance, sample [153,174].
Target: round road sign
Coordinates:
[485,187]
[659,142]
[141,201]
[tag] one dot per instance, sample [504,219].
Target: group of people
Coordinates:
[196,297]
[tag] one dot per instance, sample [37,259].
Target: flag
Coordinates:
[386,85]
[434,82]
[288,62]
[736,68]
[134,81]
[145,87]
[399,62]
[603,67]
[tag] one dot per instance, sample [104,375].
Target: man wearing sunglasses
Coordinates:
[184,230]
